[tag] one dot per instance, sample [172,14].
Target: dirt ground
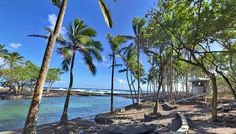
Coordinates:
[198,115]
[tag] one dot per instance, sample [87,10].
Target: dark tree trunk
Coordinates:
[130,89]
[31,121]
[214,98]
[156,107]
[64,117]
[132,82]
[112,83]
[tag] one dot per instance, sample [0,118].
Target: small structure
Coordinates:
[199,85]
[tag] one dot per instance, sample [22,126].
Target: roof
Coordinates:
[199,80]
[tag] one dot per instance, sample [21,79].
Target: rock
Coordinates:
[167,106]
[68,128]
[151,117]
[102,119]
[129,129]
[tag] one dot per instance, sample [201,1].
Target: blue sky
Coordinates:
[20,18]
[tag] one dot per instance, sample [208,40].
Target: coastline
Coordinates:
[6,95]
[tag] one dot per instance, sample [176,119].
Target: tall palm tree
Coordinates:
[115,42]
[138,27]
[13,59]
[80,40]
[31,121]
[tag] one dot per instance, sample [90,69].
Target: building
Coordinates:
[200,85]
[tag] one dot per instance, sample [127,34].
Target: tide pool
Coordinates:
[13,112]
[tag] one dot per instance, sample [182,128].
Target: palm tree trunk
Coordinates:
[31,121]
[138,57]
[64,117]
[135,93]
[130,89]
[112,83]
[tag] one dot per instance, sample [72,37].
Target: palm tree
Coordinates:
[3,54]
[13,59]
[129,58]
[80,40]
[115,43]
[3,51]
[138,25]
[31,121]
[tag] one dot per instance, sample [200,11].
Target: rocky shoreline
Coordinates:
[6,95]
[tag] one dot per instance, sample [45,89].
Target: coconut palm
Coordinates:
[31,121]
[80,40]
[115,42]
[138,26]
[3,54]
[129,58]
[12,59]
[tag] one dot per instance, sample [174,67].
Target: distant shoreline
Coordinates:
[6,95]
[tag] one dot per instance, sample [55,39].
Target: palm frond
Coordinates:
[95,44]
[88,32]
[135,25]
[106,13]
[96,53]
[122,70]
[66,52]
[88,61]
[57,3]
[141,25]
[65,64]
[38,35]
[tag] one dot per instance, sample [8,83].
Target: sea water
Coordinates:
[14,112]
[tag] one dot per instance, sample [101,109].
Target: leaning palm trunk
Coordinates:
[31,121]
[130,89]
[112,83]
[132,82]
[64,117]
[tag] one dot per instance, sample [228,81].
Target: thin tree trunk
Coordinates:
[133,86]
[138,99]
[49,86]
[31,121]
[130,89]
[64,117]
[112,83]
[156,107]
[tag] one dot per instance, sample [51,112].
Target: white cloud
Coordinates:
[15,45]
[121,81]
[104,58]
[52,18]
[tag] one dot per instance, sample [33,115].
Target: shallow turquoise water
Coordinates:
[13,112]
